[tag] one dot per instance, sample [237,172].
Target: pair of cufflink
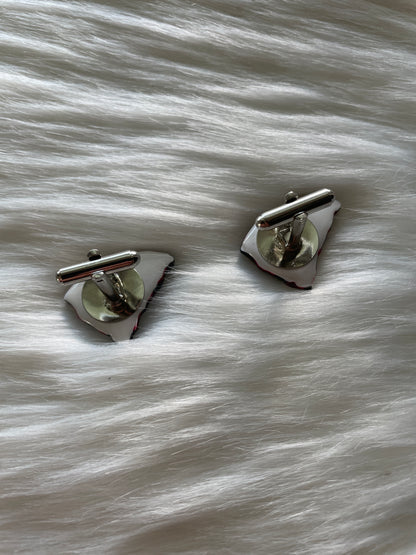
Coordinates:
[111,293]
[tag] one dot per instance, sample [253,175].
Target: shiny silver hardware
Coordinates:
[293,206]
[287,240]
[110,293]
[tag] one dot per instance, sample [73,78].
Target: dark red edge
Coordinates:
[289,283]
[155,290]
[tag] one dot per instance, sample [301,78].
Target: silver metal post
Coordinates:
[298,225]
[106,285]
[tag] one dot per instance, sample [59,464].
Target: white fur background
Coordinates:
[245,417]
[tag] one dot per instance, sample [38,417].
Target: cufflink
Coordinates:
[110,293]
[287,240]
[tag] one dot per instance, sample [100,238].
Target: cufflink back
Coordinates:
[287,240]
[110,293]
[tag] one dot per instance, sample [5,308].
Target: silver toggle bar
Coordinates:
[109,264]
[286,212]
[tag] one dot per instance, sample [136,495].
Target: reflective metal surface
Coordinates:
[287,211]
[101,307]
[276,253]
[296,232]
[109,264]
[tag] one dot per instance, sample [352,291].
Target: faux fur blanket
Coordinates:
[245,417]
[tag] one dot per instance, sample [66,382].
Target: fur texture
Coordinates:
[245,417]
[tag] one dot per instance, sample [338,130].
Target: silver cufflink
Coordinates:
[287,240]
[111,292]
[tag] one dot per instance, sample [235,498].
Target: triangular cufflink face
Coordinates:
[113,301]
[286,241]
